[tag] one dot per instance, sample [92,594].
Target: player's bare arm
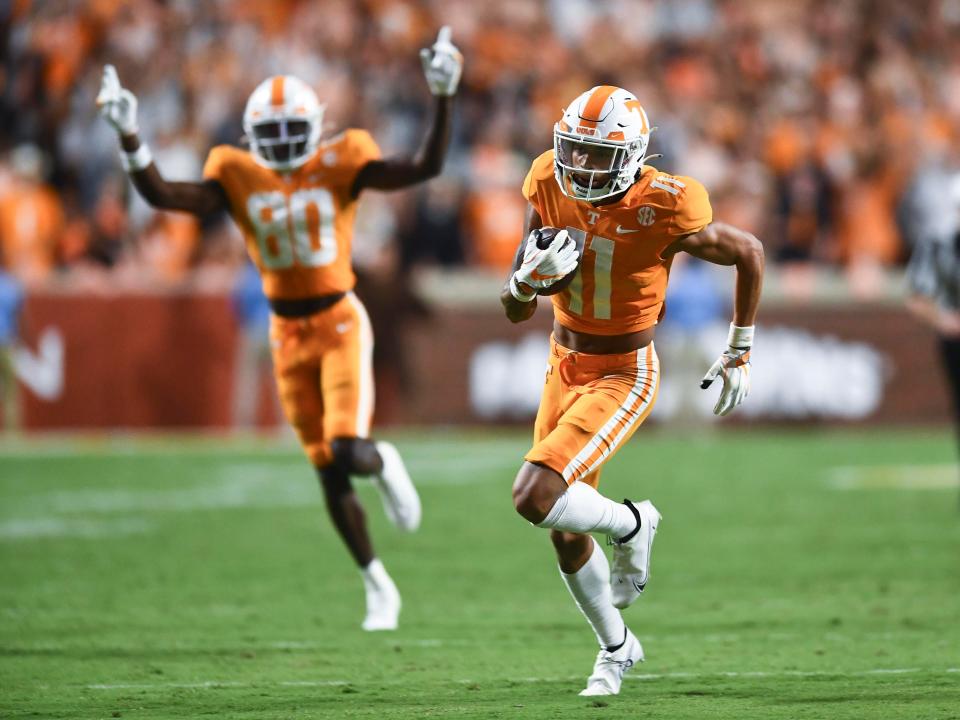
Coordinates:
[723,244]
[400,172]
[442,66]
[119,107]
[517,307]
[200,198]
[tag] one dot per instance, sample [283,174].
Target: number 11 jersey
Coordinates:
[622,280]
[298,226]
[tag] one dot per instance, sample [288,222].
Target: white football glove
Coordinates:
[734,368]
[117,105]
[442,64]
[542,267]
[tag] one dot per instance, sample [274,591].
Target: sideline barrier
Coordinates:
[168,361]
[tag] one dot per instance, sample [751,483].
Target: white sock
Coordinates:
[383,598]
[375,576]
[590,587]
[581,509]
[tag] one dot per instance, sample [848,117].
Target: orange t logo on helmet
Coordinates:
[611,122]
[282,120]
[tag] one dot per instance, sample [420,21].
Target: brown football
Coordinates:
[545,236]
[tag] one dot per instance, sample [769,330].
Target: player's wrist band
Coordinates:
[740,338]
[137,160]
[518,293]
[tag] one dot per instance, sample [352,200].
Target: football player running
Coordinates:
[294,196]
[624,222]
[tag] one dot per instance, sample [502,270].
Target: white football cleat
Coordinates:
[383,601]
[400,500]
[631,559]
[610,667]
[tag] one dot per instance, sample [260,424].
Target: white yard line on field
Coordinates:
[53,514]
[231,485]
[149,686]
[646,677]
[894,477]
[205,684]
[429,643]
[55,527]
[306,645]
[313,683]
[750,674]
[427,446]
[827,636]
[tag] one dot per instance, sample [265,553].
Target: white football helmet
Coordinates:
[600,143]
[282,120]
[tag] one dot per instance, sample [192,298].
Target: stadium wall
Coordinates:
[170,361]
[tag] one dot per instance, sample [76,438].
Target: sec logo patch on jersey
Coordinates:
[646,216]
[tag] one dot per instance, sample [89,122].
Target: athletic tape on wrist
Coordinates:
[137,160]
[518,293]
[740,337]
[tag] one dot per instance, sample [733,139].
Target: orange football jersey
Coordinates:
[622,280]
[298,226]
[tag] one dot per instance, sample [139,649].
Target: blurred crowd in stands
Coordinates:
[816,124]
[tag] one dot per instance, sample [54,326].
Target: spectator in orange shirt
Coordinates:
[494,209]
[31,218]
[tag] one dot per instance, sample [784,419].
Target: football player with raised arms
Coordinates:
[599,215]
[294,196]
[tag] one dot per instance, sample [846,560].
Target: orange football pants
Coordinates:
[591,405]
[323,365]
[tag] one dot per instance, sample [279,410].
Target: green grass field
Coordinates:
[812,575]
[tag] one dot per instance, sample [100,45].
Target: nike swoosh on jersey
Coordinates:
[621,230]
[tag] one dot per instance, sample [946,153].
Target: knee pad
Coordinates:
[356,456]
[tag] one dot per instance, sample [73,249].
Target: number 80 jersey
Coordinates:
[298,226]
[622,280]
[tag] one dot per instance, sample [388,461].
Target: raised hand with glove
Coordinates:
[733,367]
[117,105]
[442,64]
